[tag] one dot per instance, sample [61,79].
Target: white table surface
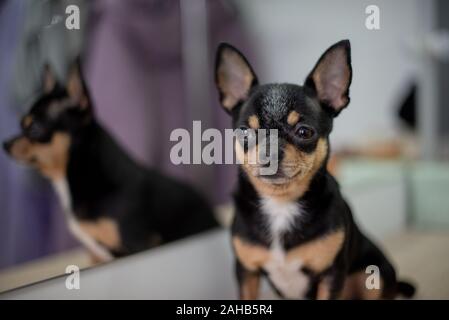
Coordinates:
[200,267]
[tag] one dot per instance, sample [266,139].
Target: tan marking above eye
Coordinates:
[293,118]
[103,230]
[27,121]
[253,122]
[320,253]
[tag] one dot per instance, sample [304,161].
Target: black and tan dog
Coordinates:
[113,205]
[294,227]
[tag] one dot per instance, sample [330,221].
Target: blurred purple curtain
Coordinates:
[136,72]
[30,222]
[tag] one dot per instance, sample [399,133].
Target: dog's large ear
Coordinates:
[331,77]
[234,76]
[49,81]
[76,87]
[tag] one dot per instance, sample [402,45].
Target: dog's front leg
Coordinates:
[248,282]
[330,286]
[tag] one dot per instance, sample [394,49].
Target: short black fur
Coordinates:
[325,208]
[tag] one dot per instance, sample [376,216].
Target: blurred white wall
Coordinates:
[292,34]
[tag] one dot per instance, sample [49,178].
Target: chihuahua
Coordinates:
[113,205]
[293,226]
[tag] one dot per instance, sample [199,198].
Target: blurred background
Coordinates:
[149,66]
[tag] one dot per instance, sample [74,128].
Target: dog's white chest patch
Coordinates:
[62,190]
[280,215]
[286,275]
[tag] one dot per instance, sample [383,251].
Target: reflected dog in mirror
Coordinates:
[113,205]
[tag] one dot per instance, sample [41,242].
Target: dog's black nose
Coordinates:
[7,145]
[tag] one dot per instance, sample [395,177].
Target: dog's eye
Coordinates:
[244,130]
[35,131]
[305,132]
[246,136]
[247,132]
